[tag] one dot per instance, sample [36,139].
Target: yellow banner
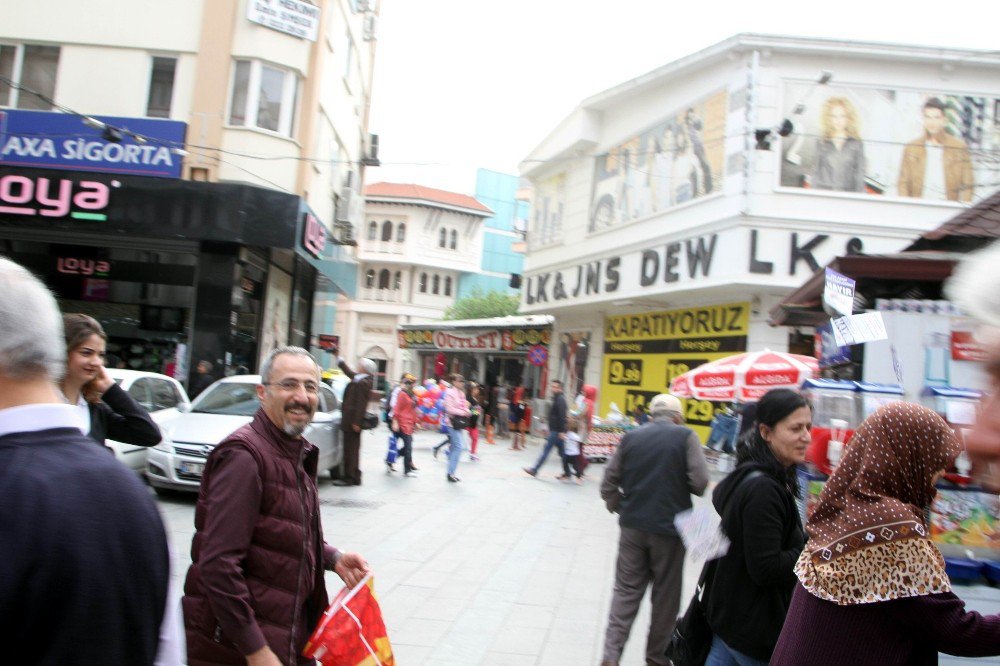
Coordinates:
[644,352]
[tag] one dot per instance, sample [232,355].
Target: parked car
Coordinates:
[177,463]
[162,396]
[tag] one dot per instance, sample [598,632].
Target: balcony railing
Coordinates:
[383,247]
[382,295]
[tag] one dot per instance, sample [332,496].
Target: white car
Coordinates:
[162,396]
[178,461]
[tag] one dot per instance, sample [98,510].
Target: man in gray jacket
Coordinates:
[649,480]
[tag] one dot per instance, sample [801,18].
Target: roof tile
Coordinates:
[411,191]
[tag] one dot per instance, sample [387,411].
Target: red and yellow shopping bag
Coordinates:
[351,631]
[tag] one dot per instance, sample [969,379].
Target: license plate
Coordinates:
[191,468]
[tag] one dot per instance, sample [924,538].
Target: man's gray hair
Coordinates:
[369,366]
[265,368]
[975,284]
[31,328]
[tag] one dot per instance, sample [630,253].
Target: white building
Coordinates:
[416,243]
[664,229]
[263,105]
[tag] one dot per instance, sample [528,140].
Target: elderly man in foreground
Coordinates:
[648,481]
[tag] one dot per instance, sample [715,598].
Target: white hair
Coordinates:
[265,368]
[369,366]
[975,285]
[31,328]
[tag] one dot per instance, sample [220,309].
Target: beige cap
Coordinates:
[664,402]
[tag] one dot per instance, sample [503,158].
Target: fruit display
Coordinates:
[603,440]
[966,518]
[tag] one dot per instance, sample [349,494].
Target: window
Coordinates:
[454,239]
[161,87]
[372,230]
[423,283]
[139,390]
[437,285]
[349,57]
[387,231]
[383,279]
[397,281]
[31,66]
[263,96]
[164,395]
[401,232]
[447,286]
[443,237]
[370,278]
[329,398]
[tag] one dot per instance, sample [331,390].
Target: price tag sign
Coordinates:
[627,372]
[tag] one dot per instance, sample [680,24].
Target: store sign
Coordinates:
[644,352]
[49,197]
[313,236]
[330,343]
[730,255]
[291,17]
[964,347]
[82,266]
[46,140]
[483,340]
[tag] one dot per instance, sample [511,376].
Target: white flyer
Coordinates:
[855,329]
[701,532]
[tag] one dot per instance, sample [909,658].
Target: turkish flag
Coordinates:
[351,631]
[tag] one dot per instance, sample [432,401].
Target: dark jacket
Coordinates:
[752,586]
[84,565]
[122,419]
[557,414]
[652,476]
[356,397]
[270,587]
[901,632]
[200,382]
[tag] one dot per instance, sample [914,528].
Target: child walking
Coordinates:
[573,450]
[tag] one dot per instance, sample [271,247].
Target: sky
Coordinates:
[463,84]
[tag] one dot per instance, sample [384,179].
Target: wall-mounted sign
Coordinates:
[328,343]
[46,140]
[291,17]
[495,339]
[50,197]
[313,236]
[82,266]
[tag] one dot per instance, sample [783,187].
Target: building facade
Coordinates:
[184,171]
[503,235]
[673,211]
[416,244]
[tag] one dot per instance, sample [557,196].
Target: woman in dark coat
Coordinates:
[108,411]
[752,585]
[872,587]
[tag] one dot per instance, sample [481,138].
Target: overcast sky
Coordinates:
[462,84]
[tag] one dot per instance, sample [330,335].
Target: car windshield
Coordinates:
[233,398]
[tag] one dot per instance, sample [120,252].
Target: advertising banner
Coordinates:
[677,160]
[291,17]
[486,340]
[46,140]
[923,144]
[644,352]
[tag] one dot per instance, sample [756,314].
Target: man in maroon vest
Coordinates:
[255,588]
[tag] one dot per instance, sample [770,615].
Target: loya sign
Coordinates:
[50,197]
[754,255]
[83,266]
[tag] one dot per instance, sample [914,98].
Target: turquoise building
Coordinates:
[500,259]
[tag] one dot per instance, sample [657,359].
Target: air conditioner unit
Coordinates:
[362,6]
[371,152]
[368,32]
[343,207]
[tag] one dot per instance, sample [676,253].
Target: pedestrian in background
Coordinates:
[353,408]
[557,430]
[751,588]
[870,575]
[390,405]
[255,589]
[648,481]
[475,408]
[502,399]
[202,379]
[516,412]
[573,447]
[107,410]
[84,566]
[404,420]
[457,412]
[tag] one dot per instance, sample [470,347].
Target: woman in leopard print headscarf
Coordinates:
[873,586]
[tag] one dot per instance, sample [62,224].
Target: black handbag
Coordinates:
[458,422]
[692,638]
[369,421]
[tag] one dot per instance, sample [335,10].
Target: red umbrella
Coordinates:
[745,377]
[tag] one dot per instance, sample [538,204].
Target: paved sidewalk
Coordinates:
[498,569]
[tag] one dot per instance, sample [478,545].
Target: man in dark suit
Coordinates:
[352,413]
[648,481]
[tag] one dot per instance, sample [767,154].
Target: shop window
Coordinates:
[423,283]
[397,281]
[436,289]
[372,230]
[454,239]
[370,278]
[401,232]
[387,231]
[447,286]
[161,87]
[31,66]
[263,96]
[383,279]
[443,238]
